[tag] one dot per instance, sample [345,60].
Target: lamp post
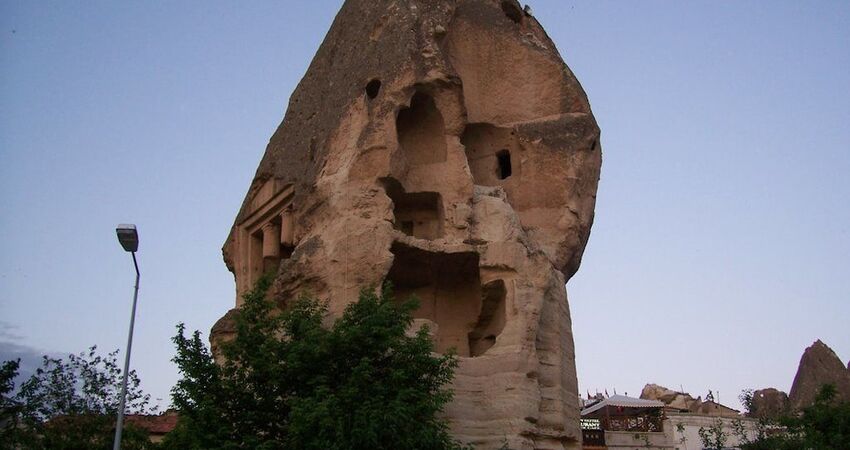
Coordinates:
[129,239]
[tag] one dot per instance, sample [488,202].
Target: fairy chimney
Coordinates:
[819,365]
[445,147]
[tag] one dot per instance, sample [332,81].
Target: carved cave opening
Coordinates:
[503,158]
[512,10]
[373,88]
[448,288]
[488,153]
[464,314]
[491,321]
[421,131]
[417,214]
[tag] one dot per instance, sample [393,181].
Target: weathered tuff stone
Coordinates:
[819,365]
[443,146]
[768,403]
[673,399]
[685,402]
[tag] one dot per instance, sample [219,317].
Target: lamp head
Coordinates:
[128,236]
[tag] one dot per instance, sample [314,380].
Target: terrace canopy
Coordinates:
[622,413]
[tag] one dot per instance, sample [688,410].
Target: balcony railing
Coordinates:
[633,423]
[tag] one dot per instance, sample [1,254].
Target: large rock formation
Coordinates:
[768,403]
[443,146]
[819,365]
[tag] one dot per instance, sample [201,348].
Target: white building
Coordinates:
[627,423]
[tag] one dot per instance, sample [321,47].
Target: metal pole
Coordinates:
[120,422]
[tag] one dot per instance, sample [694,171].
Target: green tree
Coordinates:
[825,425]
[288,382]
[10,408]
[713,436]
[69,404]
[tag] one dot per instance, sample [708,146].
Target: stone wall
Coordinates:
[691,423]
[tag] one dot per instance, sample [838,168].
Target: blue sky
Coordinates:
[722,238]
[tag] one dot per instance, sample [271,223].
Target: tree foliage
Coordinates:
[288,382]
[69,403]
[825,425]
[713,436]
[10,409]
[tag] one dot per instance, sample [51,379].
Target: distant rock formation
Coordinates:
[819,365]
[685,402]
[768,403]
[674,399]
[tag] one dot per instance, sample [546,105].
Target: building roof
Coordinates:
[154,424]
[623,401]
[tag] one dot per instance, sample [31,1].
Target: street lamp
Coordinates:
[129,239]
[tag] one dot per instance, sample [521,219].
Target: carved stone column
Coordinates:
[287,227]
[271,247]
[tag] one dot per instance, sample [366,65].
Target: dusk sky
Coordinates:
[721,246]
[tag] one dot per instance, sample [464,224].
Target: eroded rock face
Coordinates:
[685,402]
[674,399]
[443,146]
[768,403]
[819,365]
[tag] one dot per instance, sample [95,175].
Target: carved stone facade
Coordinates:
[264,237]
[443,146]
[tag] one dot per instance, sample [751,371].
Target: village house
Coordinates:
[622,422]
